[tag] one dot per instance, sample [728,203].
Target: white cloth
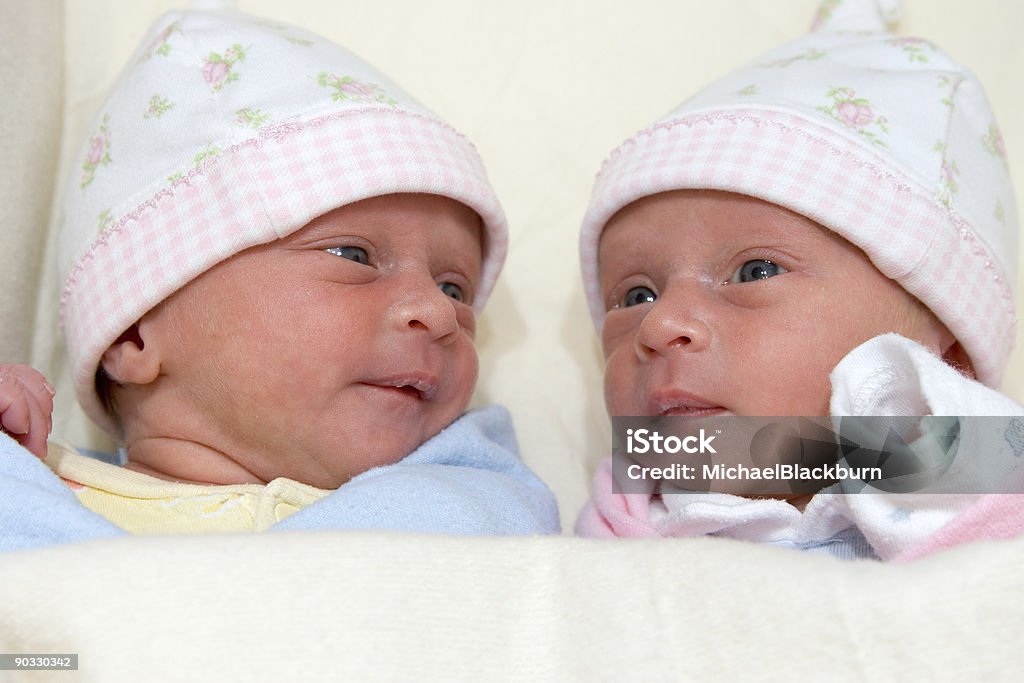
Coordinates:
[888,375]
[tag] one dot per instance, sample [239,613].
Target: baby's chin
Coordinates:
[337,473]
[387,449]
[345,449]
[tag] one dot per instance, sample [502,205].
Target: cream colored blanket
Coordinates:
[545,88]
[334,606]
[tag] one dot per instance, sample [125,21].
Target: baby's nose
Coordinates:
[420,304]
[673,324]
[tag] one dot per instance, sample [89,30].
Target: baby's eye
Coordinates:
[637,295]
[357,254]
[757,269]
[452,290]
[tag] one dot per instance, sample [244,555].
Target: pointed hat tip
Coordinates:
[857,15]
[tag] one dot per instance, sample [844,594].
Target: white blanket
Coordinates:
[347,606]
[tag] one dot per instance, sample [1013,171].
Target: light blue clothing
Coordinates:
[467,480]
[848,544]
[37,509]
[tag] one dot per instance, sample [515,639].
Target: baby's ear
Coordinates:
[958,358]
[128,361]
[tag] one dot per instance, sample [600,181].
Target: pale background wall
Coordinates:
[31,42]
[545,88]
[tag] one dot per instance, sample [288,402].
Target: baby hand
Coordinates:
[26,406]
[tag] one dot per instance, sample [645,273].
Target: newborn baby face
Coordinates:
[720,303]
[339,348]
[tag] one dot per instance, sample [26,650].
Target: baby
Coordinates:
[829,231]
[273,261]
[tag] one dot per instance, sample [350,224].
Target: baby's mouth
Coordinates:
[668,402]
[692,412]
[421,386]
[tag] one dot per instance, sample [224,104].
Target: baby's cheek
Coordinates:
[466,319]
[786,374]
[811,388]
[465,371]
[618,329]
[473,363]
[619,387]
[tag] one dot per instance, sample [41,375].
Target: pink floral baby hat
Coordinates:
[883,139]
[226,131]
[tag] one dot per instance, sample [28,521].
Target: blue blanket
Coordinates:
[467,480]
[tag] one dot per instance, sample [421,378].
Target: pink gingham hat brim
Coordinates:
[797,163]
[253,193]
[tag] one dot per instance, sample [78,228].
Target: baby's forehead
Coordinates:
[397,215]
[710,222]
[705,212]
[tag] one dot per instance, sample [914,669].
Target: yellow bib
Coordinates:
[142,504]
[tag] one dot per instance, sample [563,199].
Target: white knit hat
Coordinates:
[226,131]
[885,140]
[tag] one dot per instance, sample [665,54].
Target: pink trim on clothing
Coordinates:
[996,516]
[613,515]
[277,132]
